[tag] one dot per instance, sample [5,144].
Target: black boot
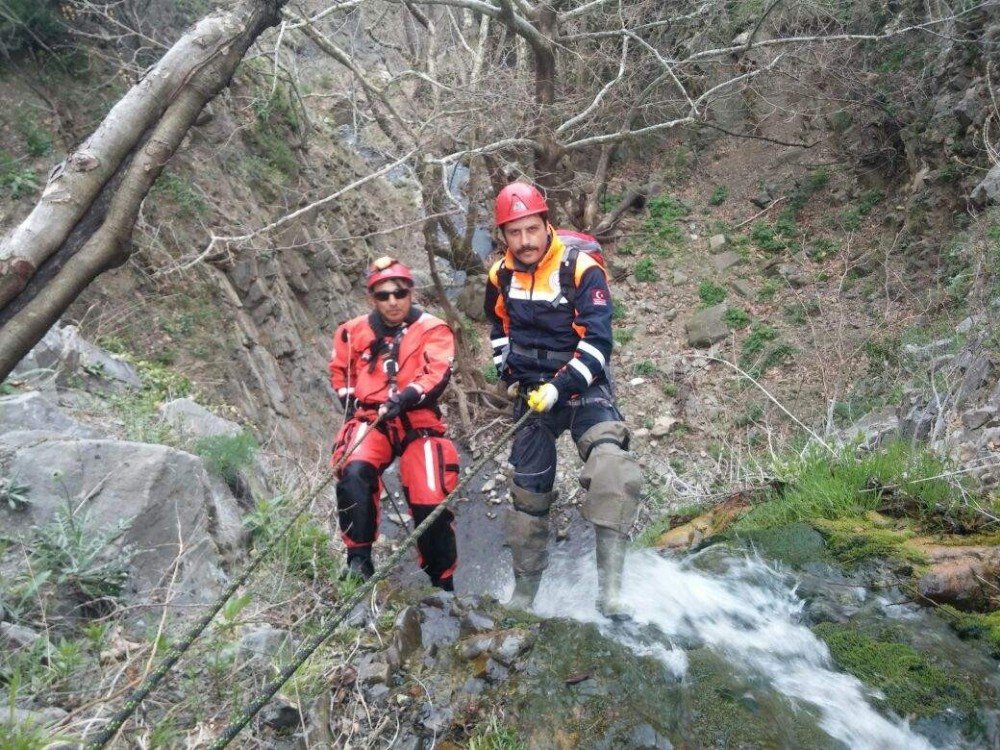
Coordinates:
[359,564]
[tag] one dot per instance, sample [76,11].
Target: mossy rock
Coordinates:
[796,544]
[621,693]
[910,683]
[858,539]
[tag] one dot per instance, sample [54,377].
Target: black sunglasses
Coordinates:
[397,293]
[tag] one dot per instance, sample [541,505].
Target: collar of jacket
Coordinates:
[382,330]
[555,248]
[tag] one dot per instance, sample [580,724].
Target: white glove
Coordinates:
[543,397]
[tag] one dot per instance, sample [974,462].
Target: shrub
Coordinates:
[226,456]
[78,558]
[664,215]
[766,238]
[736,318]
[645,270]
[16,179]
[490,373]
[711,293]
[304,550]
[644,369]
[622,335]
[719,196]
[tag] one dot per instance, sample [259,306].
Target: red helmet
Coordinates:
[385,268]
[517,200]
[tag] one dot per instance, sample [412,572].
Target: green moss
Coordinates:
[795,544]
[975,625]
[854,540]
[910,683]
[711,293]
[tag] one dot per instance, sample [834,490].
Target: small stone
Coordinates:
[488,485]
[636,381]
[474,622]
[716,242]
[679,278]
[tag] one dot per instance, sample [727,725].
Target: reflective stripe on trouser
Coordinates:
[428,470]
[527,530]
[611,477]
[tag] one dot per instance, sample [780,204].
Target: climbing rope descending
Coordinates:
[303,652]
[153,679]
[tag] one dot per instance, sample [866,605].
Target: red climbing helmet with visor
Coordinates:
[517,200]
[385,268]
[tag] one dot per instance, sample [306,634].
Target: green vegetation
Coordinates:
[761,351]
[719,196]
[850,218]
[13,494]
[180,191]
[495,736]
[490,374]
[910,683]
[768,289]
[974,625]
[27,25]
[622,335]
[766,237]
[735,317]
[665,214]
[138,412]
[226,456]
[751,414]
[69,554]
[711,293]
[618,309]
[17,180]
[644,369]
[645,270]
[304,551]
[898,479]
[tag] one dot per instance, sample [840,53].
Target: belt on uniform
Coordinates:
[527,351]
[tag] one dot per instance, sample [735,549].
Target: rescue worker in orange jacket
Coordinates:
[550,309]
[388,369]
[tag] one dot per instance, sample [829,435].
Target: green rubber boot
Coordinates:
[525,588]
[611,547]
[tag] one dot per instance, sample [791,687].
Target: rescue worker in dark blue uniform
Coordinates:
[550,310]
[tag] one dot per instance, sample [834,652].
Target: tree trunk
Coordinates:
[82,226]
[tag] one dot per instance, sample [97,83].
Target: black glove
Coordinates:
[399,402]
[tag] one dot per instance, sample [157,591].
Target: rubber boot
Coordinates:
[360,566]
[610,561]
[525,588]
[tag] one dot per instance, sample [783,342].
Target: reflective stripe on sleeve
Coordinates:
[581,368]
[593,351]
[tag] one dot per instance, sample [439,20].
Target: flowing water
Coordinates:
[748,613]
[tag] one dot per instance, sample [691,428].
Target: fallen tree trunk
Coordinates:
[82,225]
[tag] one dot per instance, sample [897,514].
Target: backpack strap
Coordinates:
[567,274]
[505,278]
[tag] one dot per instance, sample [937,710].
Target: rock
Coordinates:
[644,737]
[636,381]
[68,359]
[474,622]
[488,486]
[33,411]
[406,635]
[495,671]
[742,288]
[794,275]
[260,645]
[967,578]
[984,416]
[14,637]
[373,671]
[678,278]
[470,301]
[663,425]
[927,352]
[707,326]
[716,242]
[763,199]
[165,493]
[439,628]
[14,716]
[475,646]
[511,644]
[281,715]
[190,418]
[670,314]
[726,260]
[987,192]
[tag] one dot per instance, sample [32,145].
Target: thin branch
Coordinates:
[216,239]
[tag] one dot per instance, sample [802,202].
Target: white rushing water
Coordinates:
[748,613]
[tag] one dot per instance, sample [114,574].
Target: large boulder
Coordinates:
[987,192]
[64,357]
[177,515]
[190,418]
[33,411]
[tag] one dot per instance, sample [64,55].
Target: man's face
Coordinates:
[526,238]
[392,299]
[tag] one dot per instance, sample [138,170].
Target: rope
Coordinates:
[242,718]
[153,679]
